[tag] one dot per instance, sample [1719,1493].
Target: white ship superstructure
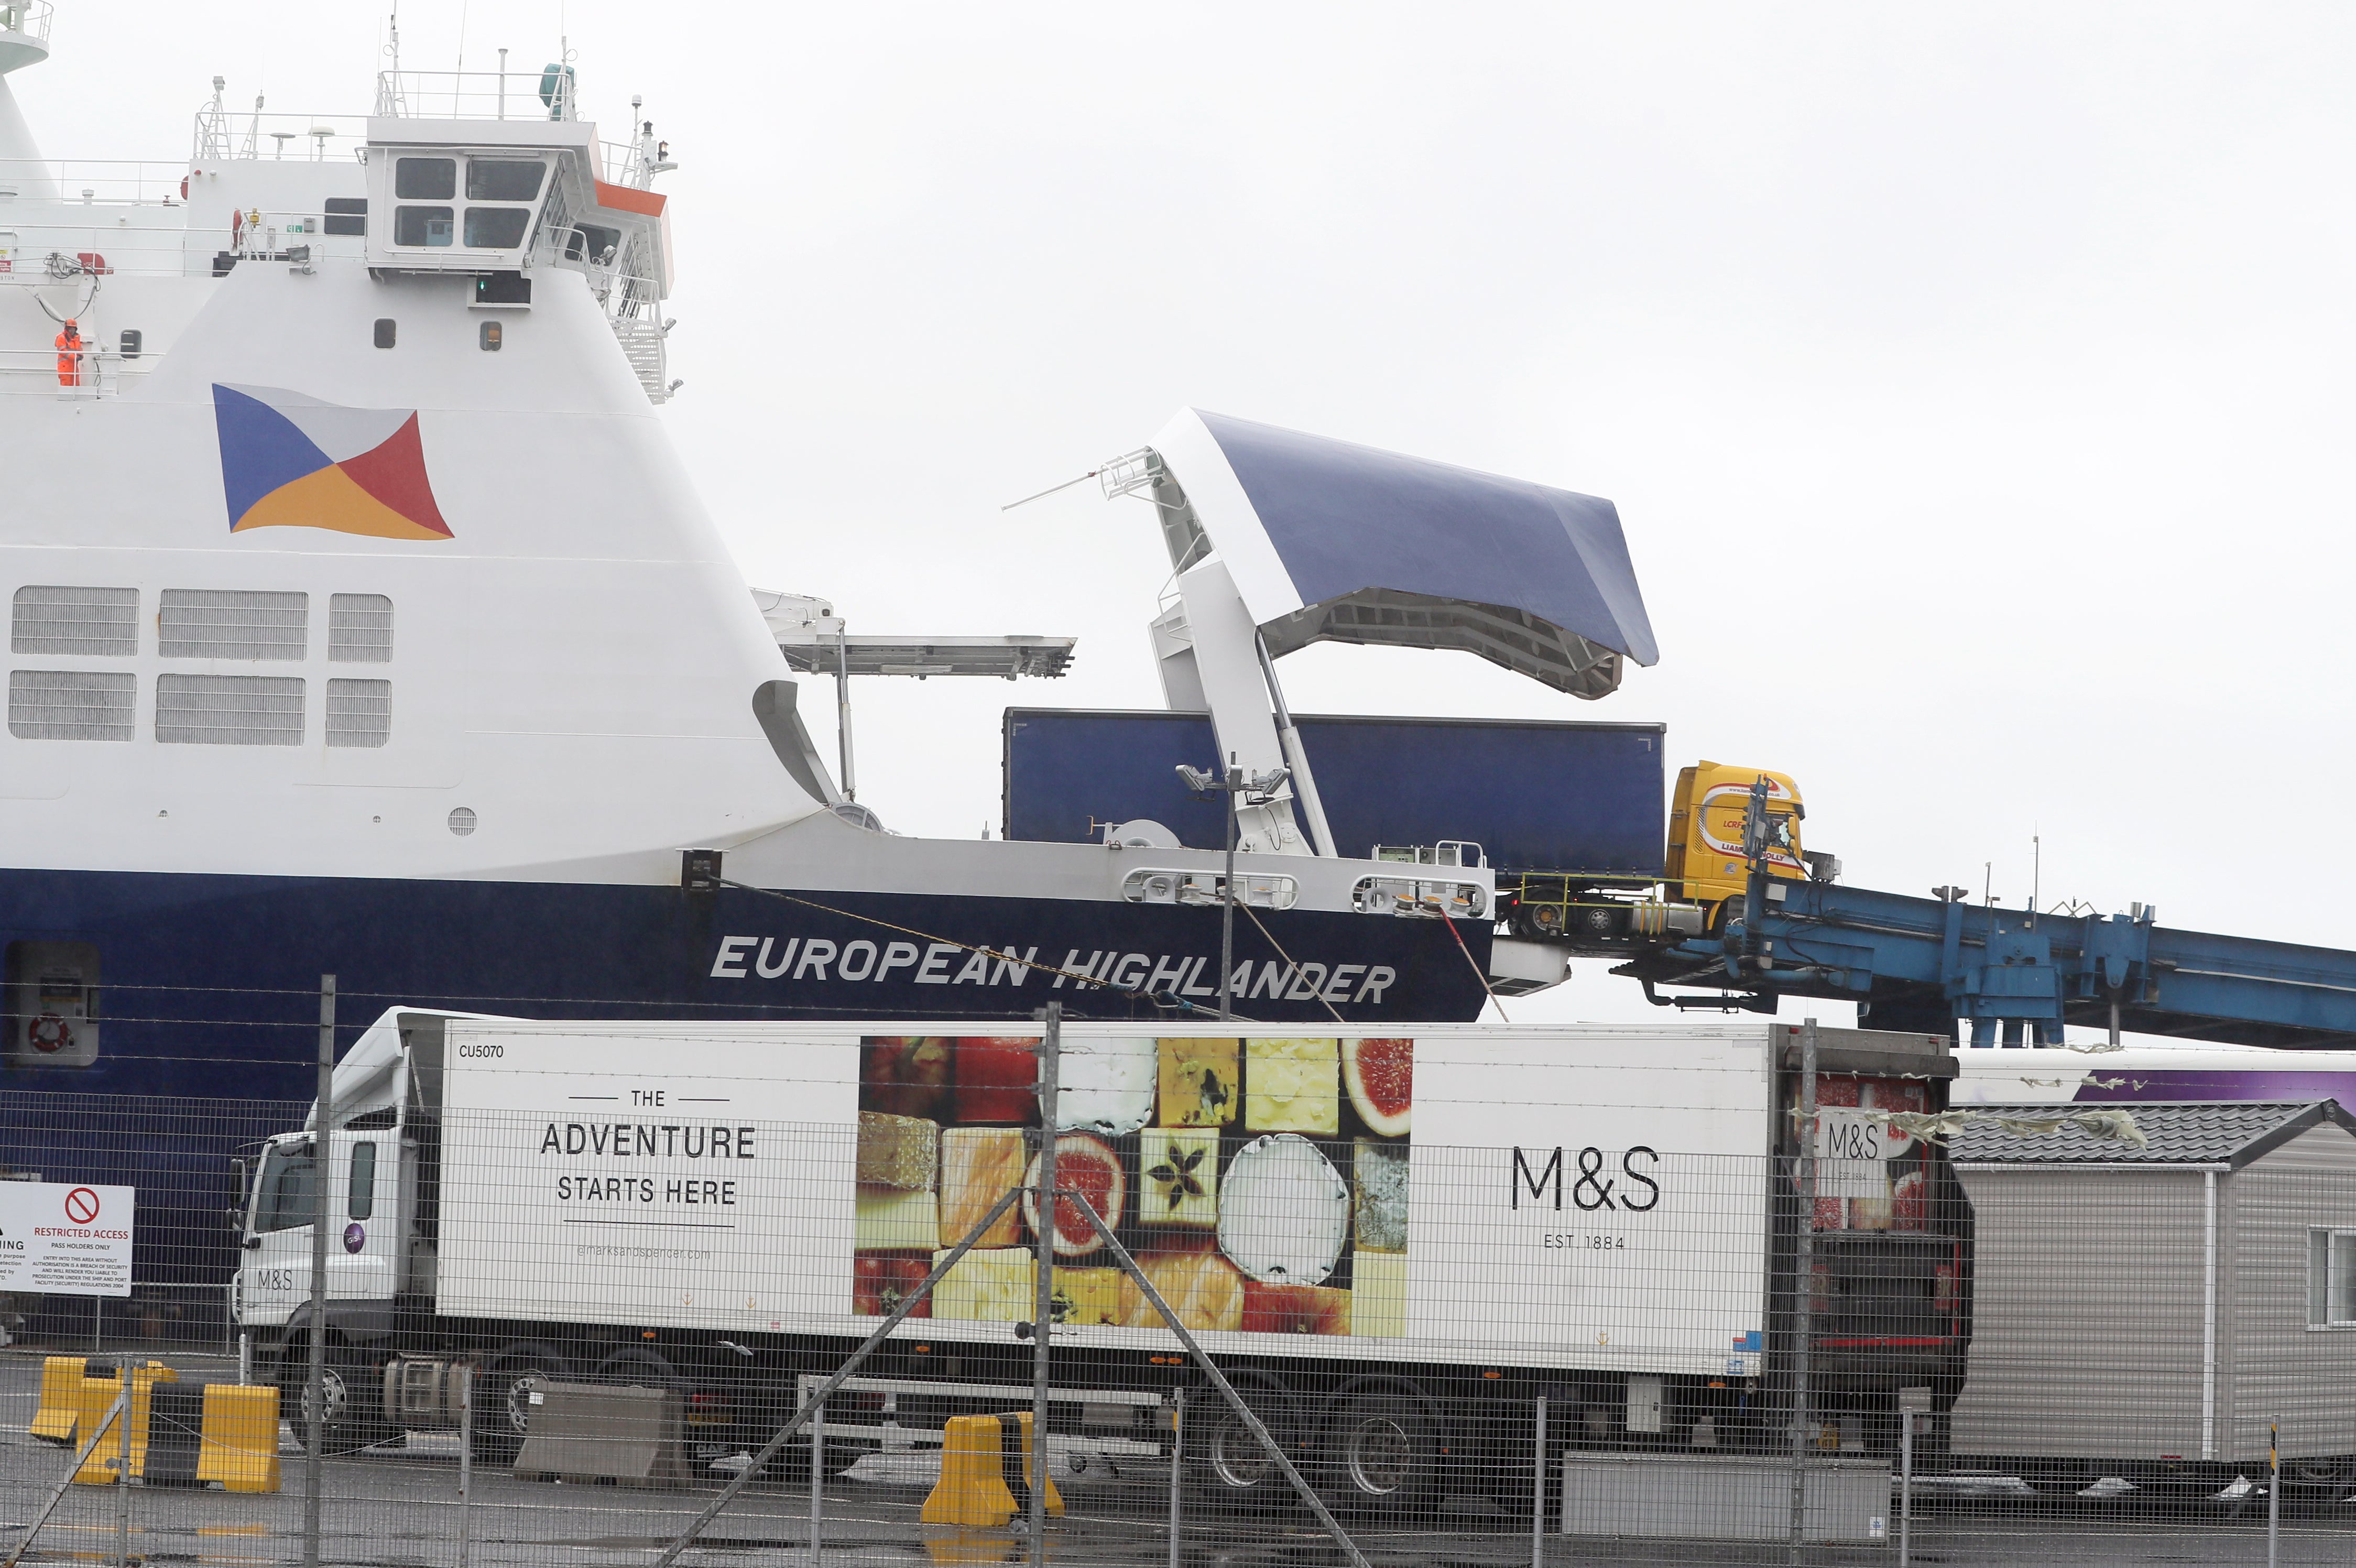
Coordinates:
[363,620]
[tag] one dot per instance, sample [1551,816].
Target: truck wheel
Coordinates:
[2059,1477]
[1228,1466]
[2317,1482]
[1381,1457]
[348,1389]
[503,1401]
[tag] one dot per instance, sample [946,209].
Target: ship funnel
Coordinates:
[24,40]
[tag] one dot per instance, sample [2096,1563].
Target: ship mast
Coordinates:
[24,40]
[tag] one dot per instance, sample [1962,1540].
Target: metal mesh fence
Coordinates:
[1479,1297]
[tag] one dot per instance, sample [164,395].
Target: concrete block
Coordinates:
[623,1433]
[1722,1497]
[239,1441]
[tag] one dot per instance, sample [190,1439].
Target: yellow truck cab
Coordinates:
[1705,851]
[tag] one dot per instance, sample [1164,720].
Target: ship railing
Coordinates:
[88,181]
[51,256]
[97,374]
[259,134]
[546,94]
[634,164]
[1426,897]
[1160,885]
[27,18]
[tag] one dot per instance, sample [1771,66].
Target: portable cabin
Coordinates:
[2147,1303]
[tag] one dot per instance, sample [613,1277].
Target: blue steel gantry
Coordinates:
[2013,976]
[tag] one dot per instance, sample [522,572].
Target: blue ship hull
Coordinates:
[207,991]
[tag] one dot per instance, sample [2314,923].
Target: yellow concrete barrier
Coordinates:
[1019,1469]
[973,1489]
[95,1395]
[240,1437]
[61,1406]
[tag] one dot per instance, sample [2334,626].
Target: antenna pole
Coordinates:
[1227,904]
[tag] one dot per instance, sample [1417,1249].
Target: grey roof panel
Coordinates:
[2177,1133]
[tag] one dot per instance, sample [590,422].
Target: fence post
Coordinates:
[1043,1312]
[817,1485]
[1177,1466]
[1905,1485]
[1804,1284]
[1537,1490]
[323,1167]
[2274,1489]
[466,1465]
[122,1470]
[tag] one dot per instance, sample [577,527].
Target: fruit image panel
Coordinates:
[1085,1164]
[1105,1084]
[1178,1177]
[1294,1309]
[1284,1211]
[1380,1077]
[997,1078]
[1378,1296]
[1379,1167]
[987,1287]
[1200,1082]
[890,1220]
[905,1076]
[898,1151]
[880,1284]
[1087,1297]
[979,1166]
[1292,1086]
[1202,1288]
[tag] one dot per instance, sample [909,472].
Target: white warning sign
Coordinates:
[65,1237]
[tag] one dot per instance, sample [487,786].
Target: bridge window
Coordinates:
[421,225]
[590,241]
[496,228]
[503,179]
[426,179]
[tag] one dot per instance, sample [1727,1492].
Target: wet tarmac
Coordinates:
[398,1508]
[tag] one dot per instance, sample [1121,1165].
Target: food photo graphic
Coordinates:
[1260,1184]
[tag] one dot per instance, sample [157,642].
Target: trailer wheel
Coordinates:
[503,1399]
[1382,1457]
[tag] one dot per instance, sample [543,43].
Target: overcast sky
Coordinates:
[1973,381]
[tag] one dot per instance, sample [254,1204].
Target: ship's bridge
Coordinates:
[487,174]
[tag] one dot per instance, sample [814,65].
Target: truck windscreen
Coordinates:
[285,1199]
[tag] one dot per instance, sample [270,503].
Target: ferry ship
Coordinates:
[364,622]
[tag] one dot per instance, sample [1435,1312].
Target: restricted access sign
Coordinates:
[65,1237]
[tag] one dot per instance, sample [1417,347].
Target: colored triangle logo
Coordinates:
[291,461]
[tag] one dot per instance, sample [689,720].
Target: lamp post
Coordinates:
[1262,788]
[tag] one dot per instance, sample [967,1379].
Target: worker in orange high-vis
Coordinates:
[70,350]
